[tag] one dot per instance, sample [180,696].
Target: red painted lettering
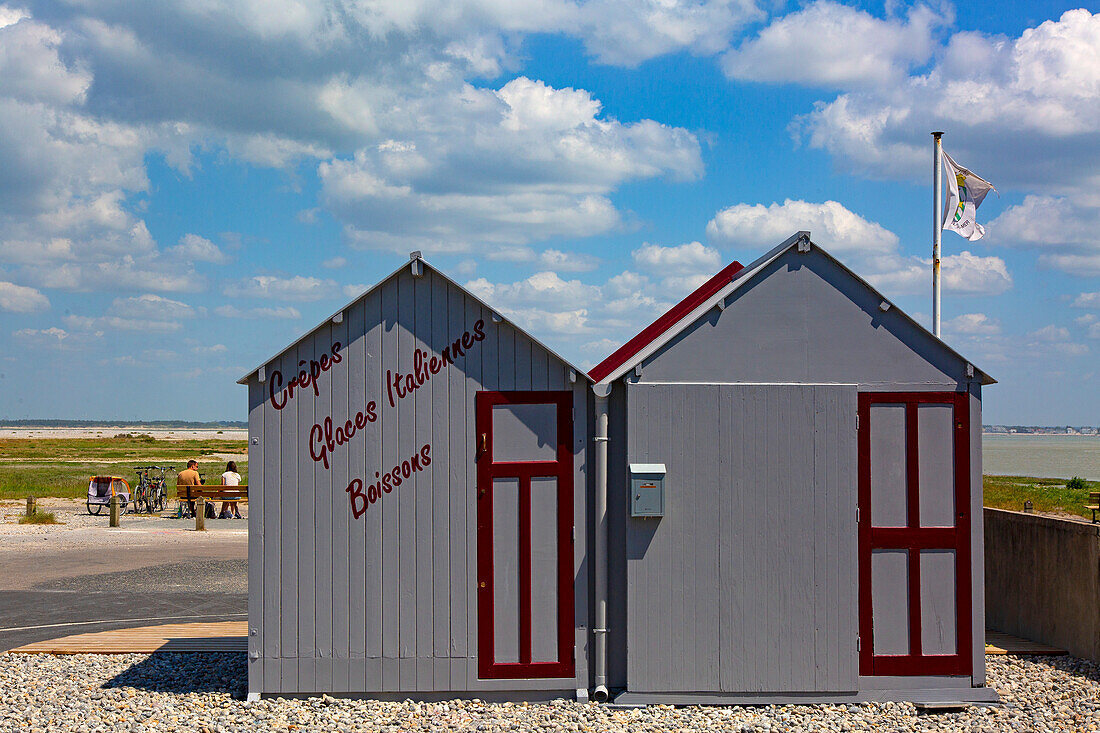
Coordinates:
[307,376]
[361,501]
[316,439]
[276,374]
[357,498]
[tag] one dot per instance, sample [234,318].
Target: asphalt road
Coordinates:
[84,577]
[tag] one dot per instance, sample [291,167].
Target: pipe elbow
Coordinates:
[600,694]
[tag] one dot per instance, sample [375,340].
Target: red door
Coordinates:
[914,533]
[525,534]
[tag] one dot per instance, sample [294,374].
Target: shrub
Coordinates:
[40,518]
[1076,484]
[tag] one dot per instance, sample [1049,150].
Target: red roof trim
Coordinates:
[673,316]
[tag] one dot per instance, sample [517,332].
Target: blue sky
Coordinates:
[187,186]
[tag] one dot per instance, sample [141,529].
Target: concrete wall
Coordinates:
[1042,580]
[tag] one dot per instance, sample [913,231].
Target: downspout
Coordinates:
[599,631]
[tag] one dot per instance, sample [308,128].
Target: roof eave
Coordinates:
[580,372]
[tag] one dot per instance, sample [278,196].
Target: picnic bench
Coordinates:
[1094,497]
[212,492]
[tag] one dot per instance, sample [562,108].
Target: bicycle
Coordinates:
[151,493]
[140,496]
[158,498]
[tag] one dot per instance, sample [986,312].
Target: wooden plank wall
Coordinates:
[385,602]
[747,584]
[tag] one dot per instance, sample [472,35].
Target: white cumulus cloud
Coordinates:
[21,299]
[870,249]
[298,287]
[830,224]
[829,44]
[194,248]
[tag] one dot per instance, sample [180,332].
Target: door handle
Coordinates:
[483,445]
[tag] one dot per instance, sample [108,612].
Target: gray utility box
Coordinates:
[647,489]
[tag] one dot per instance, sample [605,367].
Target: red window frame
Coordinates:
[487,470]
[914,538]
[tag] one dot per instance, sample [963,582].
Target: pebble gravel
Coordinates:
[205,693]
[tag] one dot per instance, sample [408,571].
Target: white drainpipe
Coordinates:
[599,693]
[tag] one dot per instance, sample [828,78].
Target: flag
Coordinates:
[965,193]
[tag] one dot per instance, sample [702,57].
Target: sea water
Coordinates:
[1041,456]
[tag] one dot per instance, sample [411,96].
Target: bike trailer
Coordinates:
[102,488]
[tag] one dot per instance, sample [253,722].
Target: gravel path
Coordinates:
[202,692]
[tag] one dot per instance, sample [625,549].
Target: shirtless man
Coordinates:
[188,477]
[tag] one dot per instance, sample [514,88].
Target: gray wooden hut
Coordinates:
[819,526]
[773,493]
[415,475]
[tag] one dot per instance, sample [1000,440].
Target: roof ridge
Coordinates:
[665,321]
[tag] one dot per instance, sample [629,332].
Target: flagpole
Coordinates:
[937,227]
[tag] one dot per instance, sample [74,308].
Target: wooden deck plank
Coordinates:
[225,636]
[998,643]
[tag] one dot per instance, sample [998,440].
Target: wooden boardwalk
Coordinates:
[231,636]
[225,636]
[1000,643]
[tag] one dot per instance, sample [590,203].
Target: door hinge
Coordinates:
[573,533]
[857,421]
[859,644]
[857,515]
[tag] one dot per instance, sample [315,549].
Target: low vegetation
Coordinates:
[1046,494]
[61,467]
[39,517]
[122,446]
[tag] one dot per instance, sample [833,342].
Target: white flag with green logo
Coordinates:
[965,193]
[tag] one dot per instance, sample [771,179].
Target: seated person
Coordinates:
[230,478]
[188,477]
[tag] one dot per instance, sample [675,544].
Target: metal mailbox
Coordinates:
[647,489]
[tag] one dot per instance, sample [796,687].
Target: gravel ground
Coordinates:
[203,692]
[73,515]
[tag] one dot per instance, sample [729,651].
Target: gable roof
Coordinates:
[415,259]
[713,292]
[668,320]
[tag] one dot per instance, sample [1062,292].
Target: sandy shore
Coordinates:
[113,430]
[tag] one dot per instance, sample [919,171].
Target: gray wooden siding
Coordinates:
[805,320]
[386,602]
[747,584]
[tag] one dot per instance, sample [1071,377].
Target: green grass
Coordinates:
[1046,494]
[61,468]
[132,446]
[39,518]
